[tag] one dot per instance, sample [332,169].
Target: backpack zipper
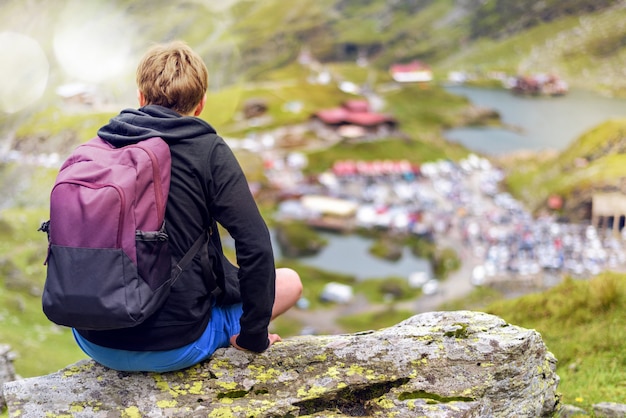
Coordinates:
[45,227]
[156,175]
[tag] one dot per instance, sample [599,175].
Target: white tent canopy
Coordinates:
[329,205]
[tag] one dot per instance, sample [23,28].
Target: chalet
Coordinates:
[352,120]
[413,72]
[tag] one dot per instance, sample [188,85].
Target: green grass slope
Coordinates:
[594,161]
[580,39]
[41,346]
[582,323]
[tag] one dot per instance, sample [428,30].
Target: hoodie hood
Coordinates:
[134,125]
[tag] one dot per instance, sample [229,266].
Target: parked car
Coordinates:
[418,279]
[430,287]
[337,293]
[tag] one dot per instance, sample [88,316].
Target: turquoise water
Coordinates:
[537,123]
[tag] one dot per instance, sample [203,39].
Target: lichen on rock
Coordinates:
[437,364]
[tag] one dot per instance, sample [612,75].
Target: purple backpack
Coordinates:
[109,264]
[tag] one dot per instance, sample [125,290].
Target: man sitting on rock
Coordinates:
[207,186]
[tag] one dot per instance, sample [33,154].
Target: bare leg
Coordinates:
[288,290]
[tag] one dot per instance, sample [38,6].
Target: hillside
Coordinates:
[595,162]
[582,40]
[246,42]
[243,39]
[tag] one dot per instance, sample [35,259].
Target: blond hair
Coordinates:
[174,76]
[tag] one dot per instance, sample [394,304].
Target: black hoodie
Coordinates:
[207,185]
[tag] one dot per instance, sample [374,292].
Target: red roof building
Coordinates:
[353,119]
[415,71]
[342,116]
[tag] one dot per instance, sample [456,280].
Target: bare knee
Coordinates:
[288,290]
[290,281]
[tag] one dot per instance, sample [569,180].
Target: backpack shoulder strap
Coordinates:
[190,254]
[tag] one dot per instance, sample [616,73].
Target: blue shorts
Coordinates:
[224,323]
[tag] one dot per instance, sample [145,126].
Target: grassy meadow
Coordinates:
[582,323]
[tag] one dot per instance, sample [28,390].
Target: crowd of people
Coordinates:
[464,201]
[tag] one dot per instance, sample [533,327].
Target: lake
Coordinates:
[539,123]
[349,254]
